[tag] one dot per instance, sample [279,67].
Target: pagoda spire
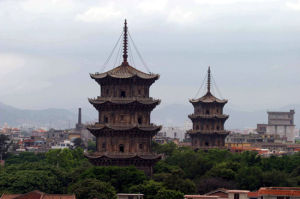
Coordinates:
[208,80]
[125,40]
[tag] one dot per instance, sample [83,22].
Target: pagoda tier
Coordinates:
[124,131]
[115,103]
[212,116]
[209,132]
[127,74]
[208,121]
[108,129]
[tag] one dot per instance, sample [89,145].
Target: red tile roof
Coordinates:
[253,194]
[37,195]
[279,191]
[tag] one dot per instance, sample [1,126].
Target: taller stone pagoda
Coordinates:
[208,121]
[124,132]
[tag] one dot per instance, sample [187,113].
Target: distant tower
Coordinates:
[124,132]
[79,125]
[208,121]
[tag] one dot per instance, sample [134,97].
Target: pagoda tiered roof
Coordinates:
[98,127]
[210,116]
[123,100]
[127,156]
[124,71]
[208,98]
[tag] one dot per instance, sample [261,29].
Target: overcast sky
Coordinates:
[49,47]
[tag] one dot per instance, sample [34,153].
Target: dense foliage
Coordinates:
[182,171]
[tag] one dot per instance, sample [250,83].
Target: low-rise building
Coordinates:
[276,193]
[37,194]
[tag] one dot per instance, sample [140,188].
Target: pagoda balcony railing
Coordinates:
[124,98]
[125,125]
[124,153]
[208,131]
[208,115]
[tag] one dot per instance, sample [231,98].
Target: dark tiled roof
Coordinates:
[208,98]
[117,100]
[218,116]
[208,132]
[98,126]
[124,71]
[145,156]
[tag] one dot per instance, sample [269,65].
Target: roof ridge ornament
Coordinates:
[208,80]
[125,40]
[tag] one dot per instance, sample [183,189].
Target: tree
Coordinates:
[4,145]
[122,178]
[91,146]
[168,194]
[93,188]
[149,189]
[78,143]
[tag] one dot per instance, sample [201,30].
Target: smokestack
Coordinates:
[79,116]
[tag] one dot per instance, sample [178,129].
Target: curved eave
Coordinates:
[102,76]
[96,102]
[194,132]
[194,116]
[217,101]
[124,156]
[94,128]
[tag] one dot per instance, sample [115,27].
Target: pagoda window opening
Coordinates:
[105,119]
[207,127]
[103,145]
[202,127]
[123,94]
[107,91]
[121,148]
[139,91]
[206,144]
[218,127]
[197,127]
[140,146]
[140,120]
[207,112]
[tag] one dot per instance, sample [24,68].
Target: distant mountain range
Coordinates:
[49,118]
[168,115]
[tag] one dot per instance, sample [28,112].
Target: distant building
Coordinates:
[282,124]
[208,121]
[275,193]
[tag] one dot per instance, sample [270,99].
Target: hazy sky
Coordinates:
[49,47]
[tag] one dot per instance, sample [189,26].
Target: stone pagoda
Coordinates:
[124,132]
[208,121]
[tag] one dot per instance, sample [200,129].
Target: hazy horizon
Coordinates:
[48,49]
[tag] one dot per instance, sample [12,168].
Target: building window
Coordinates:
[206,144]
[104,145]
[139,91]
[121,148]
[105,119]
[140,146]
[197,127]
[207,112]
[140,120]
[280,197]
[123,94]
[236,196]
[107,91]
[218,128]
[122,117]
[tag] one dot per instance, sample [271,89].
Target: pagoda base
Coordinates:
[144,162]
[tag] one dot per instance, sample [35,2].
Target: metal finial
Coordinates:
[208,80]
[125,56]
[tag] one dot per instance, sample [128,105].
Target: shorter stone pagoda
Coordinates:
[208,121]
